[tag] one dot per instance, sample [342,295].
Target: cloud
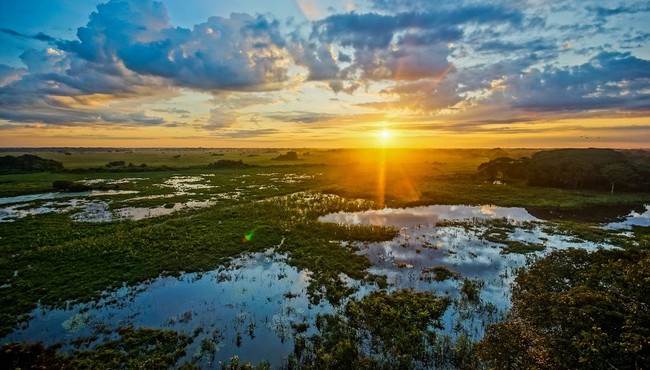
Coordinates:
[406,45]
[603,13]
[502,47]
[317,58]
[241,52]
[220,119]
[172,110]
[301,117]
[245,134]
[9,74]
[496,60]
[127,50]
[609,80]
[39,36]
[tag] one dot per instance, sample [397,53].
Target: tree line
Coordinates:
[578,169]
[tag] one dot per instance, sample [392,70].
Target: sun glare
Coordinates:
[385,134]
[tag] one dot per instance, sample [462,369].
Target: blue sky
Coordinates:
[467,73]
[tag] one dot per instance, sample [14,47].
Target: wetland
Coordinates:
[318,261]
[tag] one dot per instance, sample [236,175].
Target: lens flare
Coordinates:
[248,236]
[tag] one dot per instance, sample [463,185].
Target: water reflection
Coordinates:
[641,218]
[464,249]
[249,309]
[401,217]
[49,196]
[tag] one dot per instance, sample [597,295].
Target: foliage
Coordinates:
[228,163]
[574,309]
[438,273]
[134,349]
[571,169]
[67,185]
[394,330]
[116,164]
[53,259]
[289,156]
[504,168]
[618,173]
[28,163]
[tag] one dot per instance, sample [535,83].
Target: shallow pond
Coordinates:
[426,215]
[59,195]
[464,248]
[247,309]
[86,207]
[634,218]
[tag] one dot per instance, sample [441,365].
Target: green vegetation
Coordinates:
[67,185]
[51,259]
[134,349]
[576,310]
[574,169]
[289,156]
[515,246]
[228,163]
[587,308]
[28,163]
[382,330]
[438,273]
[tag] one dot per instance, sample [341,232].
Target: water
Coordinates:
[79,205]
[49,196]
[82,208]
[257,299]
[400,217]
[637,218]
[93,210]
[100,211]
[463,249]
[248,308]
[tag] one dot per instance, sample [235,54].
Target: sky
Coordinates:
[333,73]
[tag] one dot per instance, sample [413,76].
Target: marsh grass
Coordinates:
[52,261]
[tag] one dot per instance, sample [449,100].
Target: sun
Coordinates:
[385,134]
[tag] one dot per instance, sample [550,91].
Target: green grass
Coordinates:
[438,273]
[132,349]
[56,260]
[515,246]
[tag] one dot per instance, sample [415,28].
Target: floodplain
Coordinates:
[236,258]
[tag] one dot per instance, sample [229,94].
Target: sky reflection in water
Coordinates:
[260,295]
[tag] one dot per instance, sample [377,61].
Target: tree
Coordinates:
[618,173]
[576,310]
[495,169]
[289,156]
